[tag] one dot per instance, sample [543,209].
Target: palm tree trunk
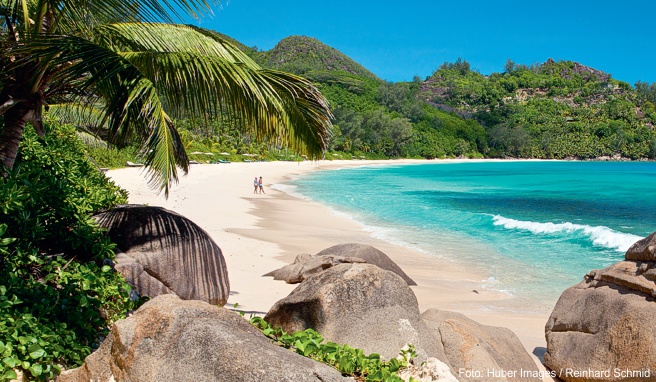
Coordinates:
[10,137]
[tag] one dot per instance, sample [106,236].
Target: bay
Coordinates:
[534,227]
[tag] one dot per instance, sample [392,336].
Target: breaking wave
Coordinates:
[598,235]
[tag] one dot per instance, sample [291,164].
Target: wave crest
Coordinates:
[599,235]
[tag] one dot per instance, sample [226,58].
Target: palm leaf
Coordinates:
[144,69]
[90,116]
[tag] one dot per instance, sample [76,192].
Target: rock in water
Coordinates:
[359,304]
[169,339]
[643,250]
[481,349]
[369,254]
[170,251]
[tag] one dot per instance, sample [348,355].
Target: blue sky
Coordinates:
[400,39]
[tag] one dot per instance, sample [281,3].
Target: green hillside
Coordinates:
[307,56]
[550,110]
[373,119]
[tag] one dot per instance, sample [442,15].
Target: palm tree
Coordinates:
[108,65]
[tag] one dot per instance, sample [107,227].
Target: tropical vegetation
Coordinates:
[349,361]
[96,84]
[58,291]
[103,66]
[121,73]
[549,110]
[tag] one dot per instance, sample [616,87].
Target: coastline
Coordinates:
[262,232]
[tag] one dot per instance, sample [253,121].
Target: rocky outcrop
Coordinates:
[169,339]
[306,265]
[359,304]
[643,250]
[479,349]
[369,254]
[603,329]
[166,252]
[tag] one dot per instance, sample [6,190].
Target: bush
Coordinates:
[349,361]
[56,297]
[112,157]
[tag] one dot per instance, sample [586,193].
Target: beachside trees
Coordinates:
[109,67]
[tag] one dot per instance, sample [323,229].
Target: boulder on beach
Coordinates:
[606,322]
[369,254]
[471,346]
[165,252]
[359,304]
[306,265]
[169,339]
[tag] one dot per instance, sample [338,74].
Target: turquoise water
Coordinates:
[535,228]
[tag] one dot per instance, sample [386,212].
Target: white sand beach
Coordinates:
[262,232]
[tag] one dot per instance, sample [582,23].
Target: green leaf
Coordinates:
[11,362]
[374,356]
[9,375]
[36,351]
[106,268]
[36,370]
[300,346]
[83,301]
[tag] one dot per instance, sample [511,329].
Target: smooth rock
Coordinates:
[359,304]
[172,252]
[369,254]
[480,349]
[169,339]
[606,323]
[643,250]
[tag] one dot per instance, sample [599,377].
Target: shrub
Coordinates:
[349,361]
[56,296]
[112,157]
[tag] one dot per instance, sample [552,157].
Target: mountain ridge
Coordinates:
[555,109]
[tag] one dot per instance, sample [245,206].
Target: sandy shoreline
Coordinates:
[261,232]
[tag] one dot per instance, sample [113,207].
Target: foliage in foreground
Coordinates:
[56,296]
[349,361]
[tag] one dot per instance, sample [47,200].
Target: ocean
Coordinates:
[533,227]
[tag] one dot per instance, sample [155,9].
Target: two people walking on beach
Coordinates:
[257,185]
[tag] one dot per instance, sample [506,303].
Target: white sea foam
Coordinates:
[599,235]
[288,189]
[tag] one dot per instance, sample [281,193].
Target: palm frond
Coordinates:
[307,113]
[159,37]
[148,72]
[89,116]
[164,148]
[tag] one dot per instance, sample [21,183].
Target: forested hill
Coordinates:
[551,110]
[308,57]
